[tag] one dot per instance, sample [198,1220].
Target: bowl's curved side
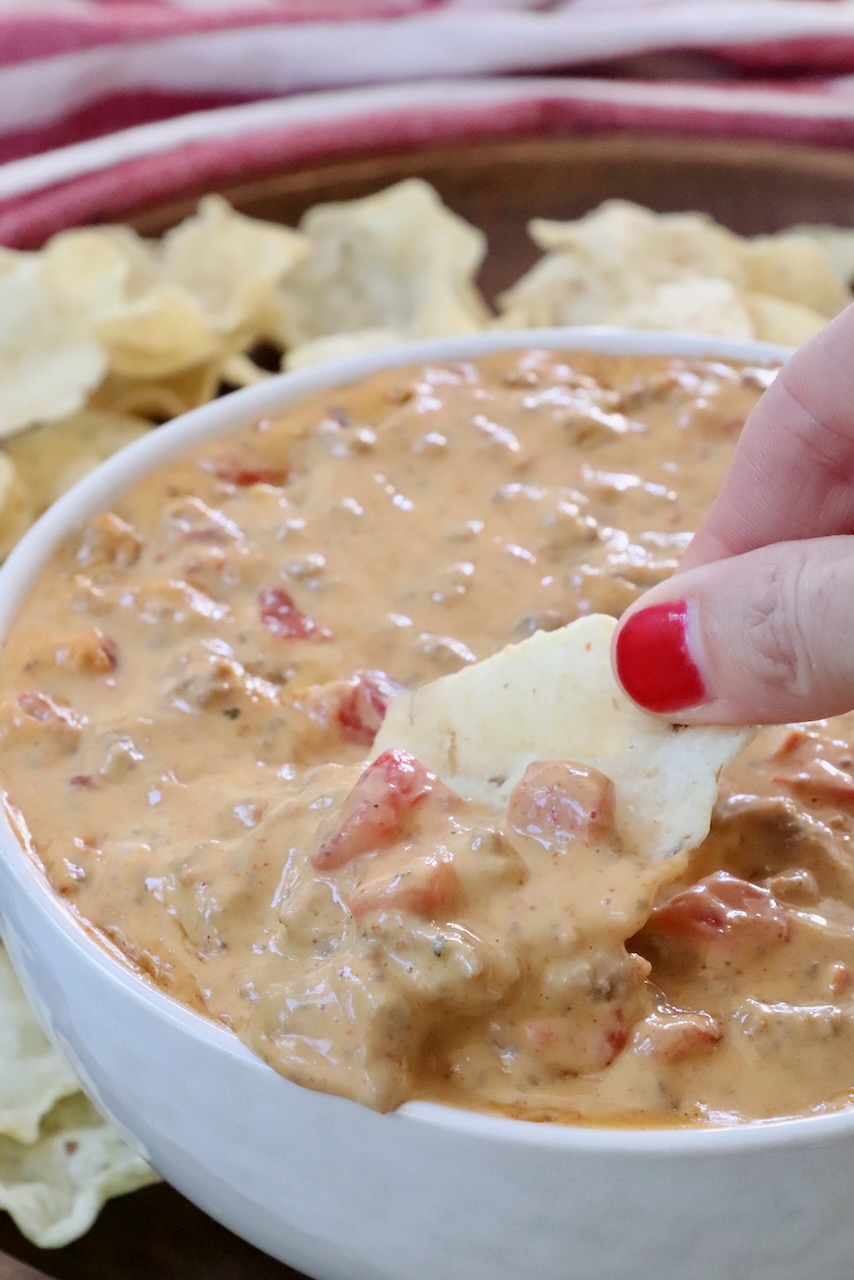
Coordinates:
[339,1190]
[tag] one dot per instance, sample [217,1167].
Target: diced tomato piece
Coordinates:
[787,741]
[543,1033]
[678,1034]
[722,906]
[821,782]
[354,708]
[363,708]
[281,615]
[84,782]
[423,885]
[556,802]
[616,1035]
[245,472]
[379,806]
[839,978]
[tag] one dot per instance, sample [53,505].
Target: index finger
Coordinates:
[792,474]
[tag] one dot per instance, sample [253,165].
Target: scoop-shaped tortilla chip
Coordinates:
[396,260]
[796,268]
[554,697]
[564,289]
[230,264]
[161,333]
[627,238]
[87,271]
[337,345]
[55,1186]
[17,506]
[51,458]
[838,244]
[698,304]
[781,321]
[610,267]
[59,1160]
[32,1075]
[49,361]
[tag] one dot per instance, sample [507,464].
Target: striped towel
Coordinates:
[155,96]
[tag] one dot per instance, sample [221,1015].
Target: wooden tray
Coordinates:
[750,186]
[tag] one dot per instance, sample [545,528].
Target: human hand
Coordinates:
[757,625]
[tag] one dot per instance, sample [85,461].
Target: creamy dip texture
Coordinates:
[190,694]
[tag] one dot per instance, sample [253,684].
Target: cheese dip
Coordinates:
[190,694]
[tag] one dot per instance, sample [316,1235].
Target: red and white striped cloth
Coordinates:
[138,101]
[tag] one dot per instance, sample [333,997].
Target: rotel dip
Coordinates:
[191,692]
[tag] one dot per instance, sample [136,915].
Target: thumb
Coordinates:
[762,638]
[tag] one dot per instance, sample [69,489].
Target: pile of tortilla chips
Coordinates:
[104,334]
[59,1161]
[624,265]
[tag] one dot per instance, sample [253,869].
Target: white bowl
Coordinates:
[342,1192]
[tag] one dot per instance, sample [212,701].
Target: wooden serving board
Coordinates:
[752,187]
[12,1269]
[153,1234]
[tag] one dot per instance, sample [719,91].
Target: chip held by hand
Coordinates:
[554,697]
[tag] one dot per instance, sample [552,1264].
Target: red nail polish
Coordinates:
[653,660]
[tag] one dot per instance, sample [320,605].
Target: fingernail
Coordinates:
[654,662]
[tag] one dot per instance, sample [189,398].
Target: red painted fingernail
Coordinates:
[654,662]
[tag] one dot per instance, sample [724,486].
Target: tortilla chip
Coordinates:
[694,303]
[17,508]
[10,258]
[55,1186]
[230,264]
[49,361]
[59,1160]
[51,458]
[563,289]
[612,261]
[32,1075]
[87,270]
[161,333]
[625,238]
[161,398]
[554,697]
[796,268]
[141,257]
[838,244]
[337,345]
[781,321]
[397,260]
[241,371]
[71,304]
[161,308]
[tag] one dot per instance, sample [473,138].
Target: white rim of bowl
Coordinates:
[95,492]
